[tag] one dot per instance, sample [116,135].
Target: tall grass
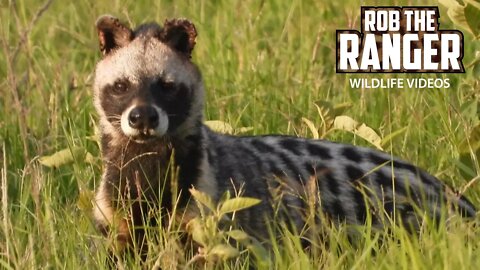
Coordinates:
[264,64]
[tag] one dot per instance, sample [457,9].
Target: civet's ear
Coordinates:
[180,35]
[112,33]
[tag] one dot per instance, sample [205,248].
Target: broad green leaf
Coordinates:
[472,16]
[455,12]
[465,14]
[237,204]
[450,4]
[369,135]
[328,112]
[224,251]
[197,231]
[203,198]
[312,127]
[219,126]
[239,235]
[211,225]
[66,156]
[243,129]
[225,196]
[347,123]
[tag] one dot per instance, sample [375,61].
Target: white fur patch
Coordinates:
[142,58]
[102,209]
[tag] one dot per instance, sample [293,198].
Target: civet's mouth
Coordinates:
[143,123]
[144,137]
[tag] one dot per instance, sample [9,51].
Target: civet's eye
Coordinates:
[120,87]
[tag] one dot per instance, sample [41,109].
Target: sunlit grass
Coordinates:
[264,64]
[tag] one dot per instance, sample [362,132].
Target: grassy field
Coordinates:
[265,65]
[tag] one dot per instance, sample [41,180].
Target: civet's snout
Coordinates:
[144,121]
[143,118]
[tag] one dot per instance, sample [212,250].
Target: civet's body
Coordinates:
[149,97]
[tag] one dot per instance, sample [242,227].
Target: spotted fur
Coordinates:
[151,66]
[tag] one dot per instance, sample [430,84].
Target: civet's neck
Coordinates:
[150,166]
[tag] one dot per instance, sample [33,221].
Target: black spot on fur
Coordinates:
[251,160]
[431,181]
[378,160]
[382,179]
[389,207]
[386,182]
[225,170]
[360,207]
[336,210]
[275,169]
[319,151]
[351,154]
[290,166]
[405,166]
[354,173]
[262,146]
[332,183]
[292,145]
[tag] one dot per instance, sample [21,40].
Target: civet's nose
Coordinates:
[143,117]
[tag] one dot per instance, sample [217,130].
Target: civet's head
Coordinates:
[145,85]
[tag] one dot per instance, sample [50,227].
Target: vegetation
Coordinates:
[268,67]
